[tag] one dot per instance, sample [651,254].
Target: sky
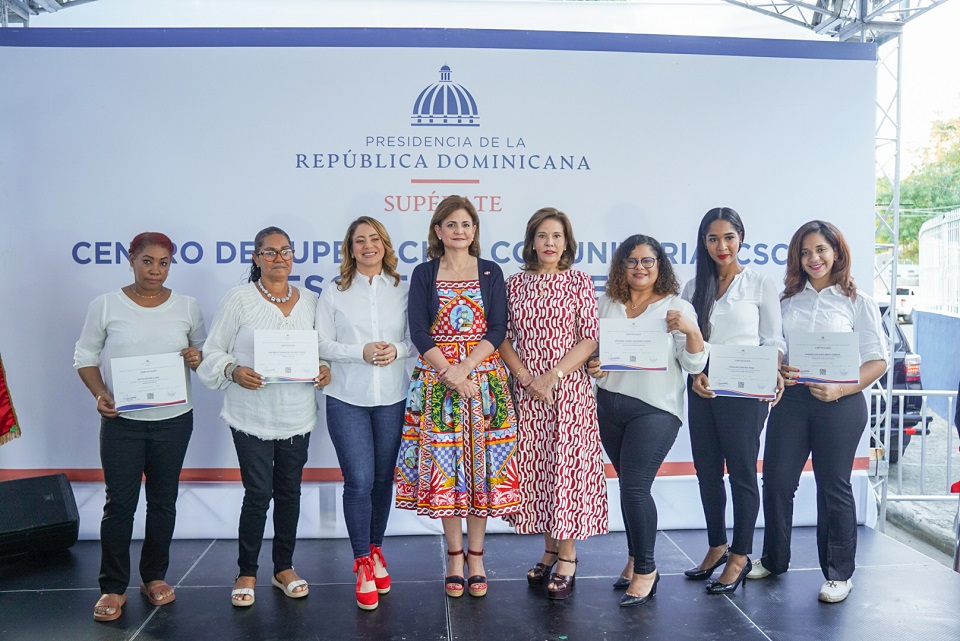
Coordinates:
[930,84]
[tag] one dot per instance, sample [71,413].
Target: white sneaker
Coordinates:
[758,571]
[835,591]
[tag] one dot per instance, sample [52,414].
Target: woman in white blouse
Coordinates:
[362,323]
[822,420]
[640,411]
[140,319]
[270,424]
[735,305]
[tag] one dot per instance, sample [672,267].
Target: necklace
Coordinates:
[455,271]
[274,299]
[137,292]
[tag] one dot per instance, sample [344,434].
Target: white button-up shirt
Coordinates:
[830,310]
[346,321]
[748,313]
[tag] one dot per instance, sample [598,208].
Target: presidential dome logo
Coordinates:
[445,104]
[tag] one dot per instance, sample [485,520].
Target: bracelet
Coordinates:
[229,369]
[99,395]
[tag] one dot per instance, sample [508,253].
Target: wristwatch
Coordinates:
[559,372]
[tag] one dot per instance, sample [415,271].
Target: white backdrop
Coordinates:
[211,134]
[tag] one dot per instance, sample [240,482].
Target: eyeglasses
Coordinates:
[270,255]
[647,262]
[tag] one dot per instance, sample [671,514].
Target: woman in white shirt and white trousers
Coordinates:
[825,420]
[735,306]
[362,323]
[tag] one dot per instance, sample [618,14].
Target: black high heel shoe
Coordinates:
[628,600]
[622,583]
[715,587]
[698,574]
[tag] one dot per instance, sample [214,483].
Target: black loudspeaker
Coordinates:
[37,514]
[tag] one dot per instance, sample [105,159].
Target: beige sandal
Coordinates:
[115,601]
[236,596]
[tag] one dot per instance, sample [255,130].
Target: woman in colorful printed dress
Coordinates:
[552,331]
[460,429]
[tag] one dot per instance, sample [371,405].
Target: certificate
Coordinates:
[146,382]
[634,345]
[826,357]
[286,355]
[743,371]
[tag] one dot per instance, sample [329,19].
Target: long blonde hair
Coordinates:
[348,267]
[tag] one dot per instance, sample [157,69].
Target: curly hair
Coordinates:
[348,267]
[617,287]
[795,278]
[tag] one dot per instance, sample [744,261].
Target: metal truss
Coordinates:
[19,11]
[881,22]
[867,20]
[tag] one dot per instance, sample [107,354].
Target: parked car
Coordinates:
[906,375]
[906,298]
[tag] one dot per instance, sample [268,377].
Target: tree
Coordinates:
[930,189]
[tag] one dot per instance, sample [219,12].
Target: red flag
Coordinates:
[9,429]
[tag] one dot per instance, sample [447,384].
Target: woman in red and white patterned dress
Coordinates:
[552,330]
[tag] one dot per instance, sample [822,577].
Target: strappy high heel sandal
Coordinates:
[453,584]
[383,582]
[539,574]
[564,582]
[477,584]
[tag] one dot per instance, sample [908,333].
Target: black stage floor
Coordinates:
[898,594]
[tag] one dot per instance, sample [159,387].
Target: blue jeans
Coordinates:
[367,440]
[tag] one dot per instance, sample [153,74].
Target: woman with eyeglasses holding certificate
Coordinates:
[735,305]
[822,420]
[270,423]
[640,412]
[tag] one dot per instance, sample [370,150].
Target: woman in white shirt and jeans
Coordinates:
[140,319]
[362,322]
[270,424]
[825,420]
[735,306]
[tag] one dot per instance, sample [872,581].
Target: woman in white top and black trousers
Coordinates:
[140,319]
[362,323]
[270,424]
[735,306]
[825,420]
[640,412]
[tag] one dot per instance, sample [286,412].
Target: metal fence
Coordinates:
[939,241]
[888,490]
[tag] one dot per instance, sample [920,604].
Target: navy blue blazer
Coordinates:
[423,303]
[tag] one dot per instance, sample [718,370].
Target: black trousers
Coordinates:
[801,425]
[637,438]
[725,431]
[269,470]
[129,451]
